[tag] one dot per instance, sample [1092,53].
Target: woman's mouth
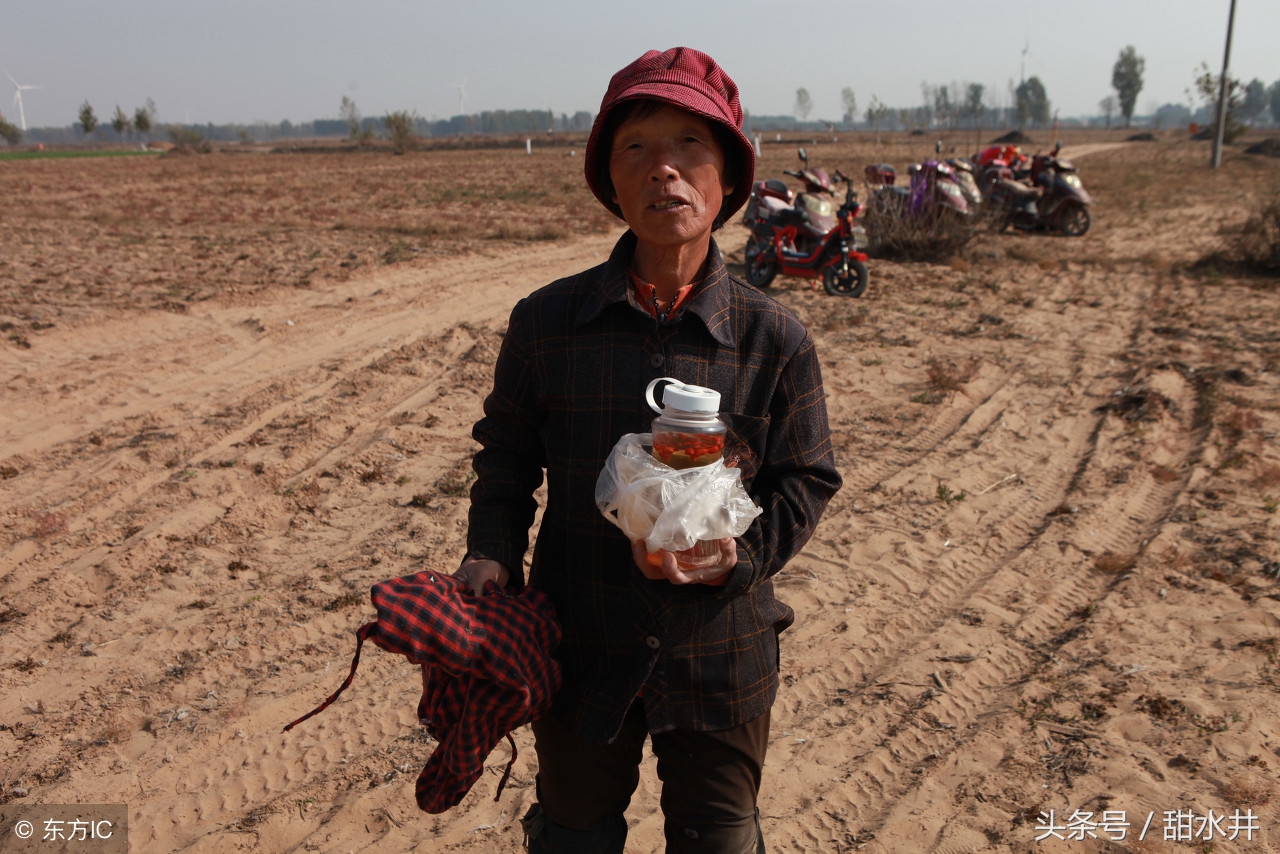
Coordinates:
[667,204]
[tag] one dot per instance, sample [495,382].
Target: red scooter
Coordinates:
[771,196]
[997,163]
[786,239]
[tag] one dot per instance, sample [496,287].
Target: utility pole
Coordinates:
[1222,91]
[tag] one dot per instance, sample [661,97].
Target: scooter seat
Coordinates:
[1020,190]
[790,216]
[879,174]
[776,188]
[818,226]
[772,206]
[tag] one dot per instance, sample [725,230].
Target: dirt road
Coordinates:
[1048,584]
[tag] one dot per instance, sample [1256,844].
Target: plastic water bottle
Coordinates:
[688,432]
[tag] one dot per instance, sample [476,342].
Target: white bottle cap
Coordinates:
[678,395]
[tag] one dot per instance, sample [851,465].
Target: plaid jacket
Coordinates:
[486,670]
[569,381]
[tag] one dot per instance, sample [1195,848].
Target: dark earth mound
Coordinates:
[1269,146]
[1013,137]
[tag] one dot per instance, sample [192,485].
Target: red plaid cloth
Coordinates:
[486,670]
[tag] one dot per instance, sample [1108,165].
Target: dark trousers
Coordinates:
[710,781]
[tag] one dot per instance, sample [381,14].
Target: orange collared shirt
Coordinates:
[648,296]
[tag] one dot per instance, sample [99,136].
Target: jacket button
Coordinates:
[653,642]
[656,360]
[691,833]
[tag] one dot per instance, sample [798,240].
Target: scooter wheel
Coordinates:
[759,272]
[850,284]
[1074,220]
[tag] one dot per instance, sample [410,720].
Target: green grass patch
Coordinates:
[62,155]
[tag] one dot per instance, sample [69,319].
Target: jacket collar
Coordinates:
[709,300]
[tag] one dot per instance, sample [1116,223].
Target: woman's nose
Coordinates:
[663,166]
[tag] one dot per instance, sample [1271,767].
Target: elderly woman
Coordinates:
[685,657]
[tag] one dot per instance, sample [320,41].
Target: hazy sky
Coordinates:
[226,61]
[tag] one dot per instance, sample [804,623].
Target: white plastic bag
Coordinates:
[671,509]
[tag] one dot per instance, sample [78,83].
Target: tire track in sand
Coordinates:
[200,538]
[912,715]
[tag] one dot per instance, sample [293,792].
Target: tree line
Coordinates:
[399,124]
[351,123]
[960,105]
[943,106]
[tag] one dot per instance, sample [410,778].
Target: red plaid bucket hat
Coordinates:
[486,670]
[688,79]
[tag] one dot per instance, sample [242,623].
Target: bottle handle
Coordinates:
[648,392]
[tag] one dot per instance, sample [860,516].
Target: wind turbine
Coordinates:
[17,99]
[462,95]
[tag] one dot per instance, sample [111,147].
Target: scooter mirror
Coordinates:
[804,155]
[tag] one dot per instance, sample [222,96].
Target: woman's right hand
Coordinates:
[476,571]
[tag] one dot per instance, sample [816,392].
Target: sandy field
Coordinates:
[236,390]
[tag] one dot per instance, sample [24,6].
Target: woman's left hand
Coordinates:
[672,571]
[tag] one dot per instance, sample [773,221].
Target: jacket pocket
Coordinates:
[746,443]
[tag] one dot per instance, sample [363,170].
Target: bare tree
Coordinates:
[804,104]
[399,127]
[942,106]
[350,113]
[926,105]
[1207,86]
[1108,107]
[120,122]
[144,118]
[850,103]
[876,114]
[973,102]
[88,121]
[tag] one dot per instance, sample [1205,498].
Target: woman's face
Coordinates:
[668,176]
